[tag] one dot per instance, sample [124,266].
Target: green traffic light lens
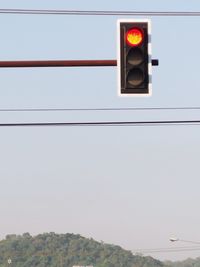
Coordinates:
[135,77]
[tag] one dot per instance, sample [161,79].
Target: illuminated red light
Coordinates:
[134,37]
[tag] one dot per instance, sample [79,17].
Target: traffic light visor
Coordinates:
[134,37]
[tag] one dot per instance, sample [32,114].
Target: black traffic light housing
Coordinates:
[134,57]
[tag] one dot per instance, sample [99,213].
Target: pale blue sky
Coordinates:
[130,186]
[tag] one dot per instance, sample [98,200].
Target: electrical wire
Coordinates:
[97,109]
[98,12]
[104,123]
[161,251]
[164,249]
[183,248]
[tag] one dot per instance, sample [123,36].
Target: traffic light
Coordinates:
[134,57]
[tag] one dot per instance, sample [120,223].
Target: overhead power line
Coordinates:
[98,109]
[147,250]
[99,12]
[167,250]
[104,123]
[164,249]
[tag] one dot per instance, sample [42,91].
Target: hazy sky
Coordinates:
[130,186]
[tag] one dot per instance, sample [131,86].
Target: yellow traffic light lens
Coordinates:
[134,37]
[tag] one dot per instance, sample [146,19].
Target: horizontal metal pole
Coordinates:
[62,63]
[57,63]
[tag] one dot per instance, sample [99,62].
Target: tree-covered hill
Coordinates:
[66,250]
[186,263]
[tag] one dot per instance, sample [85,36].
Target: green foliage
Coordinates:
[66,250]
[186,263]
